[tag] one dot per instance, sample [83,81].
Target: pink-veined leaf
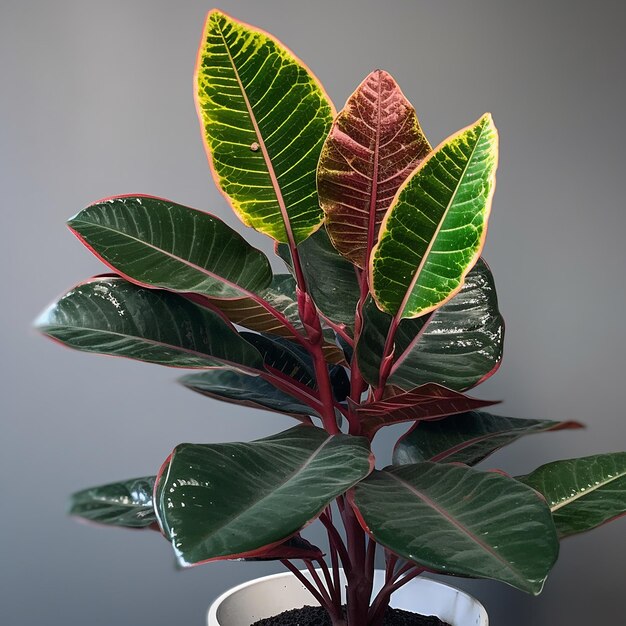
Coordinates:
[373,145]
[426,402]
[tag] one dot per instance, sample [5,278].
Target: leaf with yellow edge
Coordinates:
[264,118]
[435,229]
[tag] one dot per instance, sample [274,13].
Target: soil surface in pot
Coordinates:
[317,616]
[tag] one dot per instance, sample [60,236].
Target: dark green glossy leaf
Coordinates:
[281,295]
[294,548]
[111,316]
[244,389]
[254,313]
[427,402]
[582,493]
[234,500]
[435,229]
[158,243]
[468,437]
[457,346]
[339,380]
[331,280]
[284,356]
[127,503]
[458,520]
[374,144]
[265,117]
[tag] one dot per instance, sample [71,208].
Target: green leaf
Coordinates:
[294,548]
[280,296]
[112,316]
[158,243]
[339,380]
[582,493]
[330,279]
[468,437]
[458,345]
[427,402]
[127,504]
[373,145]
[234,500]
[458,520]
[435,229]
[283,356]
[244,389]
[265,117]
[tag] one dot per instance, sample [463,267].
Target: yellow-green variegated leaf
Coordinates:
[435,229]
[264,118]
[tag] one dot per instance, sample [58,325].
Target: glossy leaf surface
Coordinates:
[240,499]
[294,548]
[339,380]
[330,278]
[281,296]
[583,493]
[248,312]
[457,346]
[283,356]
[457,520]
[159,243]
[127,504]
[264,117]
[239,388]
[435,229]
[468,437]
[428,402]
[112,316]
[373,145]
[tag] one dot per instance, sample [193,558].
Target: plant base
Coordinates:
[316,616]
[273,595]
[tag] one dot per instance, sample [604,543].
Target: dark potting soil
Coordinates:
[317,616]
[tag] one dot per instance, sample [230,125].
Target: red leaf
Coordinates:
[373,145]
[426,402]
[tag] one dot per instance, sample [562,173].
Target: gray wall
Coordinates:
[96,99]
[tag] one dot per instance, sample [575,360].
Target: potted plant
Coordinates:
[387,315]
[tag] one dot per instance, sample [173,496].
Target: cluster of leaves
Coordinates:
[387,314]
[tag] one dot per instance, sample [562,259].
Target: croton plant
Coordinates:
[385,314]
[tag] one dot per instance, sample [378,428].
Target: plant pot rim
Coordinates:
[421,580]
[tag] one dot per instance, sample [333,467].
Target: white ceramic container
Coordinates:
[271,595]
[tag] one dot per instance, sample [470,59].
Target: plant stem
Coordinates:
[360,580]
[326,593]
[316,593]
[391,560]
[335,540]
[340,329]
[331,584]
[387,359]
[329,419]
[357,383]
[381,602]
[310,318]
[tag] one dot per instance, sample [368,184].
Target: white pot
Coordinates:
[271,595]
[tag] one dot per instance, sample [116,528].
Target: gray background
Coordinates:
[96,99]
